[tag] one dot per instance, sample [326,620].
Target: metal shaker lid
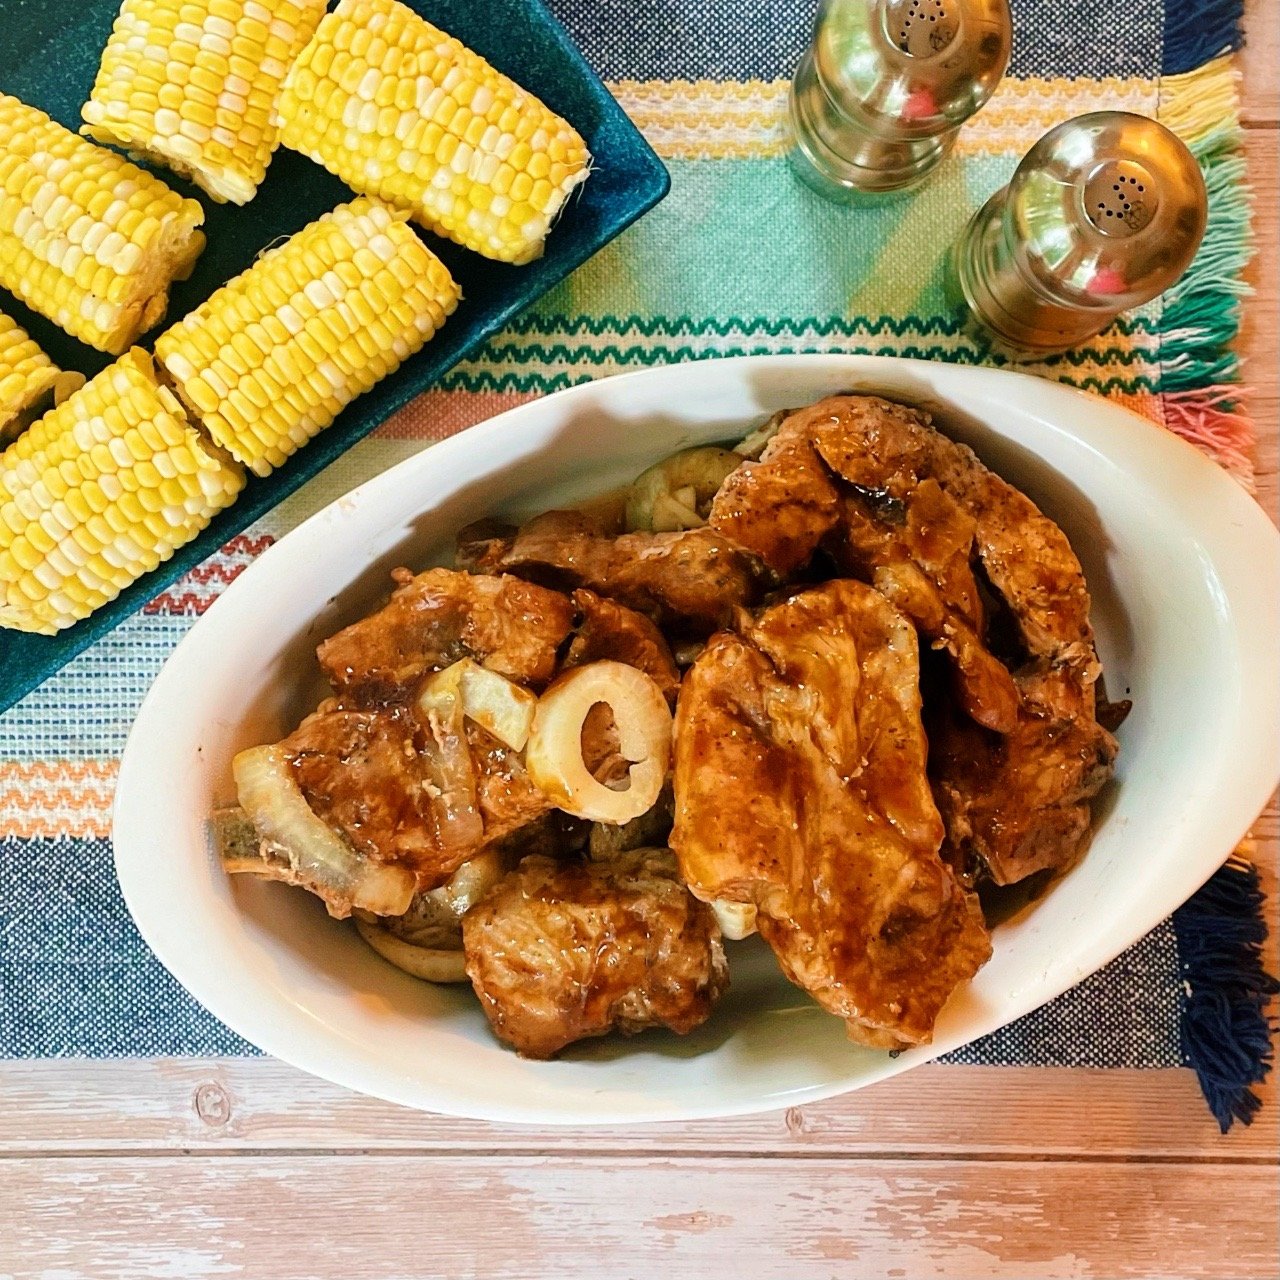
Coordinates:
[907,69]
[1107,210]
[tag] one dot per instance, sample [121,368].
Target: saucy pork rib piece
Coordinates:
[911,540]
[1016,802]
[607,630]
[688,582]
[559,952]
[781,507]
[809,722]
[434,619]
[403,791]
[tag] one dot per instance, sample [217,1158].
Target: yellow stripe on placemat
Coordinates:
[48,798]
[738,120]
[1197,102]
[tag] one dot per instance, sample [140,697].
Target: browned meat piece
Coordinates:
[1021,802]
[361,773]
[506,796]
[781,507]
[434,619]
[689,582]
[800,787]
[560,952]
[608,630]
[916,550]
[379,778]
[887,450]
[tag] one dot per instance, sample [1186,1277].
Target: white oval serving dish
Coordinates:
[1185,574]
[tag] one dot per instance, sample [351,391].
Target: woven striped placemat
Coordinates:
[740,259]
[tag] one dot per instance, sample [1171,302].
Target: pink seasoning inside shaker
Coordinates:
[1106,280]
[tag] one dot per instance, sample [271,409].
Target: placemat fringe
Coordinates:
[1197,30]
[1201,313]
[1226,1027]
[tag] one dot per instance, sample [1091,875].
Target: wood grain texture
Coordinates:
[388,1217]
[1260,58]
[965,1113]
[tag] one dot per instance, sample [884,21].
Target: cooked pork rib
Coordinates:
[915,510]
[1021,801]
[690,582]
[560,952]
[376,777]
[435,618]
[888,450]
[610,631]
[781,507]
[913,542]
[800,787]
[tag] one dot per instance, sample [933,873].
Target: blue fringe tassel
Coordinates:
[1226,1029]
[1197,30]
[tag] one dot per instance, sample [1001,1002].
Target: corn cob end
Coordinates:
[100,491]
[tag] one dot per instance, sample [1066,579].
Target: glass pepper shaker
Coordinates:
[1104,213]
[883,90]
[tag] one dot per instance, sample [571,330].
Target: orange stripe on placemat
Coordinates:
[437,414]
[196,590]
[45,798]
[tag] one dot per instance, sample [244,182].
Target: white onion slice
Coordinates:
[317,857]
[492,701]
[449,769]
[737,920]
[432,964]
[554,756]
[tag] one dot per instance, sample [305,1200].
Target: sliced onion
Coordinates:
[554,757]
[303,850]
[432,964]
[737,920]
[450,772]
[492,701]
[474,879]
[753,445]
[676,493]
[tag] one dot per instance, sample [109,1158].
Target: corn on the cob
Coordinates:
[29,380]
[100,491]
[193,84]
[86,238]
[402,111]
[272,357]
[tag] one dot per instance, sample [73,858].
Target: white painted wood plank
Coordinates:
[397,1218]
[248,1105]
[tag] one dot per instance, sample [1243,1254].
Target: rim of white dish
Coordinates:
[1227,517]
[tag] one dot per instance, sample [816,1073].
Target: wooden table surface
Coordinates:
[193,1169]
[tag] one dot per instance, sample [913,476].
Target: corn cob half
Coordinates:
[28,380]
[400,110]
[272,357]
[100,491]
[86,238]
[193,84]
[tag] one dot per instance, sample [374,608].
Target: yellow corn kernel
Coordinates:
[72,537]
[86,238]
[192,84]
[29,380]
[347,298]
[400,110]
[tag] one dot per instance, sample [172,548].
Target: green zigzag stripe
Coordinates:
[739,326]
[463,378]
[512,353]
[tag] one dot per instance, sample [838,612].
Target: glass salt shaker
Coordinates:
[1104,213]
[883,90]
